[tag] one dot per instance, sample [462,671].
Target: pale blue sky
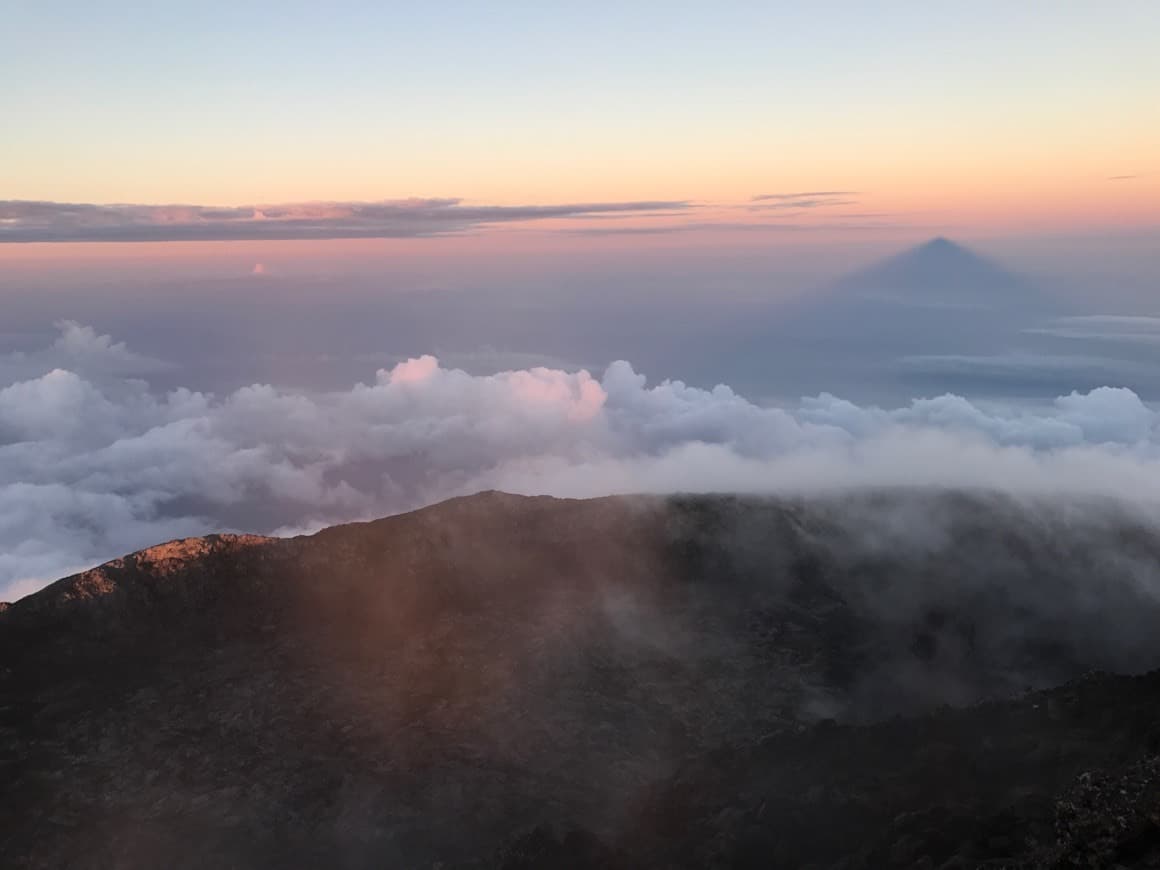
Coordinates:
[502,101]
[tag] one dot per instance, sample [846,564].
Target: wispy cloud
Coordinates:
[805,194]
[1026,366]
[682,227]
[806,199]
[734,226]
[796,204]
[31,221]
[1138,329]
[1131,177]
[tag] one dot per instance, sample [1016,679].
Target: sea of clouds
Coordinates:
[95,463]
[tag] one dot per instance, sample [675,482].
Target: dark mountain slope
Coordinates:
[686,681]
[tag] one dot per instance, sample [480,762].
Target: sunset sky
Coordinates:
[984,117]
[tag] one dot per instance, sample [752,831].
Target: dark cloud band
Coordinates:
[29,221]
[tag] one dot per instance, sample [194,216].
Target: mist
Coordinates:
[704,309]
[146,396]
[96,462]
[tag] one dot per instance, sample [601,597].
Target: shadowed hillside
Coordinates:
[858,681]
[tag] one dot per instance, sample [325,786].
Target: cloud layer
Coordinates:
[29,221]
[95,463]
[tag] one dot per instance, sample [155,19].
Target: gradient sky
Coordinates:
[972,115]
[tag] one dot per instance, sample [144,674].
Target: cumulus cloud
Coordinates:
[79,349]
[95,464]
[27,221]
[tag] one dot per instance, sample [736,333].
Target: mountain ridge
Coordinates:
[167,556]
[679,681]
[162,558]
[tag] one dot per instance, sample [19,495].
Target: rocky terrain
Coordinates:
[880,679]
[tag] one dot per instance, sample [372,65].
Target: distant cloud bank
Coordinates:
[94,463]
[30,221]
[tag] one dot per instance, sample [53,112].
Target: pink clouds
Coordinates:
[414,370]
[579,394]
[94,463]
[575,396]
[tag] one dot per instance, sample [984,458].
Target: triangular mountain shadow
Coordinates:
[941,274]
[862,334]
[920,300]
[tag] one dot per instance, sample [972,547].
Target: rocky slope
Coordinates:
[868,680]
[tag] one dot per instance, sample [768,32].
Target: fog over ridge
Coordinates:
[94,463]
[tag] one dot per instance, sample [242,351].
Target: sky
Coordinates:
[979,115]
[265,267]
